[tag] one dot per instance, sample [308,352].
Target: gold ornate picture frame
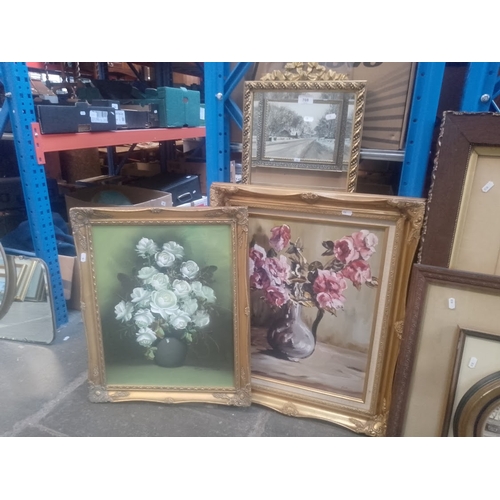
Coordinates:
[306,124]
[165,303]
[328,277]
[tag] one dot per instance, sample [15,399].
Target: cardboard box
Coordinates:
[141,169]
[190,168]
[140,197]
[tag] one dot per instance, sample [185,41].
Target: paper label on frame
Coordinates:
[487,186]
[304,99]
[330,116]
[83,257]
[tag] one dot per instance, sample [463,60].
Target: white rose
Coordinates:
[201,319]
[181,288]
[124,310]
[175,249]
[208,293]
[165,259]
[145,337]
[189,269]
[189,306]
[164,303]
[140,296]
[159,281]
[146,273]
[196,287]
[143,318]
[146,247]
[180,320]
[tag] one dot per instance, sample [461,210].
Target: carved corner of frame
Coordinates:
[241,397]
[98,394]
[375,427]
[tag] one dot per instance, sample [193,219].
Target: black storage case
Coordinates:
[82,117]
[183,188]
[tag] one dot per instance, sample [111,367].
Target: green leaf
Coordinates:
[313,266]
[329,245]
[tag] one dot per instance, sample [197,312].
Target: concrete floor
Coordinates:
[43,393]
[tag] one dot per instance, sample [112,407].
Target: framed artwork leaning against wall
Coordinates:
[165,303]
[328,274]
[464,196]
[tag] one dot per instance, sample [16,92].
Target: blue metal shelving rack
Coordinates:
[18,106]
[219,84]
[481,87]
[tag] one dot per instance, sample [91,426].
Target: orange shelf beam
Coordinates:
[64,142]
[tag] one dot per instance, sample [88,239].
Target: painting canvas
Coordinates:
[310,129]
[325,276]
[166,304]
[325,304]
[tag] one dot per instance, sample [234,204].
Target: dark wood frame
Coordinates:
[459,133]
[421,277]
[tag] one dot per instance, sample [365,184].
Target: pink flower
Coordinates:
[326,301]
[280,237]
[277,269]
[329,282]
[259,279]
[258,255]
[358,272]
[365,243]
[344,250]
[276,296]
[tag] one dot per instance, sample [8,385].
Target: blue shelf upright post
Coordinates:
[22,114]
[219,84]
[428,82]
[479,88]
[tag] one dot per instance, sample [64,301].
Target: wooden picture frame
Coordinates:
[303,124]
[465,192]
[478,413]
[296,259]
[159,284]
[477,357]
[441,303]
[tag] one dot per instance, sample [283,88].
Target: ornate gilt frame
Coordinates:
[425,371]
[83,221]
[402,218]
[304,173]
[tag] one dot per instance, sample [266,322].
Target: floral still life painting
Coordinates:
[298,285]
[164,303]
[171,302]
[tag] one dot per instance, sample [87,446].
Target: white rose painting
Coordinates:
[171,299]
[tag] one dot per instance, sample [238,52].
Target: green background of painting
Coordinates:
[114,252]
